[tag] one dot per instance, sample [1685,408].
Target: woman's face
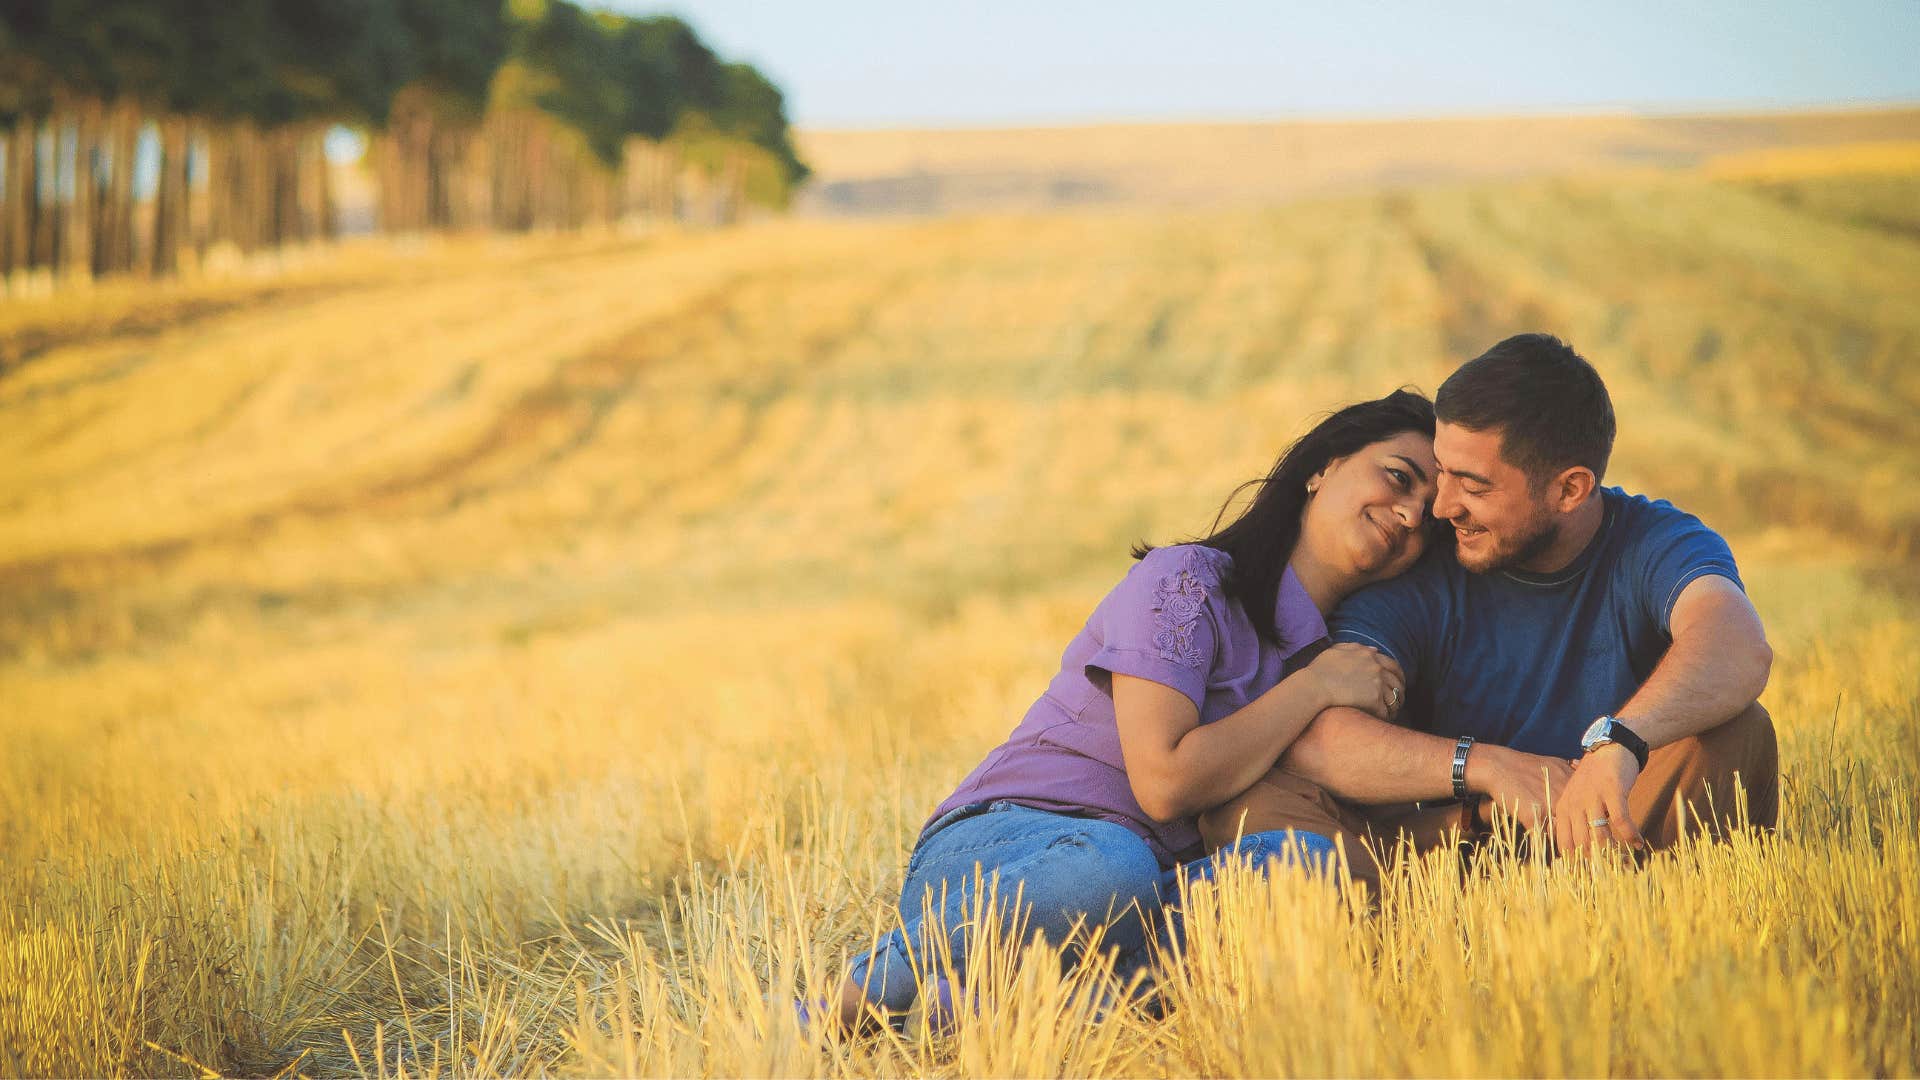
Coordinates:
[1368,512]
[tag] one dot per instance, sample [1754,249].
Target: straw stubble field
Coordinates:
[537,656]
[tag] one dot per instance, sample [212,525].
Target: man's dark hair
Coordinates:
[1549,405]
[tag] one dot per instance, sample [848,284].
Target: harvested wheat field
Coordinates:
[537,656]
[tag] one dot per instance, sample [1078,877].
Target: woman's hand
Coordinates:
[1360,677]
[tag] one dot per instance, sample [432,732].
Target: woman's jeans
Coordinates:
[1070,874]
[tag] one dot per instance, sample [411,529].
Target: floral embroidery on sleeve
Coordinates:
[1178,602]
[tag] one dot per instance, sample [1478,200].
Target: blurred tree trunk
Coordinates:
[297,180]
[76,245]
[219,186]
[200,139]
[560,191]
[436,187]
[9,194]
[600,209]
[640,165]
[732,188]
[185,135]
[258,171]
[626,200]
[283,163]
[116,218]
[170,196]
[386,167]
[324,226]
[410,176]
[248,233]
[45,194]
[667,168]
[18,208]
[538,169]
[59,181]
[307,156]
[472,197]
[512,184]
[270,207]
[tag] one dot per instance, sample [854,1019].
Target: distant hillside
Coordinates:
[946,171]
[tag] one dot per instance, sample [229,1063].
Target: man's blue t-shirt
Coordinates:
[1529,660]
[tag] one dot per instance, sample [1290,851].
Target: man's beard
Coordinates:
[1510,552]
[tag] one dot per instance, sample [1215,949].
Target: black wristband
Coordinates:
[1630,739]
[1460,766]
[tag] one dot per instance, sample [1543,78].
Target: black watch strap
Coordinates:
[1625,736]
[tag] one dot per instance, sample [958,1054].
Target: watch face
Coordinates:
[1597,733]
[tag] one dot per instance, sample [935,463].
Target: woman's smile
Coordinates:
[1389,538]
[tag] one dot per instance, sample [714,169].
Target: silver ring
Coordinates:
[1600,822]
[1393,698]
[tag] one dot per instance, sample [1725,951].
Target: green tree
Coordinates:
[752,108]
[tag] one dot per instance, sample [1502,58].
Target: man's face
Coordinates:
[1498,519]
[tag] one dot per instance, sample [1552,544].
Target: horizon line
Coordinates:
[1702,110]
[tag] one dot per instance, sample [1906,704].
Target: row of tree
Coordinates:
[140,135]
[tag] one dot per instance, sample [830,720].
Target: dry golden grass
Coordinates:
[1898,158]
[537,657]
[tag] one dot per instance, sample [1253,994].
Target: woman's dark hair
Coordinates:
[1261,539]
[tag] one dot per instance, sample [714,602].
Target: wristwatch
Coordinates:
[1608,730]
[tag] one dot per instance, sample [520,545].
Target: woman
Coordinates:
[1185,686]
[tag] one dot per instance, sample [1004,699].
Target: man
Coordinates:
[1585,660]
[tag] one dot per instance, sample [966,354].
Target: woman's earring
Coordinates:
[1313,486]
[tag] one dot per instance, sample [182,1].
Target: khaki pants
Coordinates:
[1688,787]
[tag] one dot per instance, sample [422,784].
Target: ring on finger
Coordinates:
[1600,822]
[1393,697]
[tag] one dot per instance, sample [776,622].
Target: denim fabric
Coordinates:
[1067,872]
[1260,850]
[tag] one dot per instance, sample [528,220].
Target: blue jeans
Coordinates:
[1068,873]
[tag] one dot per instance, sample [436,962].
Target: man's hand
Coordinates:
[1598,793]
[1525,786]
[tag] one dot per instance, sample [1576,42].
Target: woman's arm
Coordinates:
[1179,767]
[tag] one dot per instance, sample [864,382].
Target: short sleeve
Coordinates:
[1394,617]
[1675,549]
[1161,623]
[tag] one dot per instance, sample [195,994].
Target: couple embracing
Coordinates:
[1431,613]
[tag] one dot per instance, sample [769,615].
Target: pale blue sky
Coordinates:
[861,63]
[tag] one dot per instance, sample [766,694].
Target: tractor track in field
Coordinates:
[144,325]
[1475,312]
[811,355]
[571,403]
[152,318]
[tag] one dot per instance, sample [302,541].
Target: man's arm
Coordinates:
[1361,759]
[1717,666]
[1364,760]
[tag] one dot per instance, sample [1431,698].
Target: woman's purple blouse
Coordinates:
[1168,621]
